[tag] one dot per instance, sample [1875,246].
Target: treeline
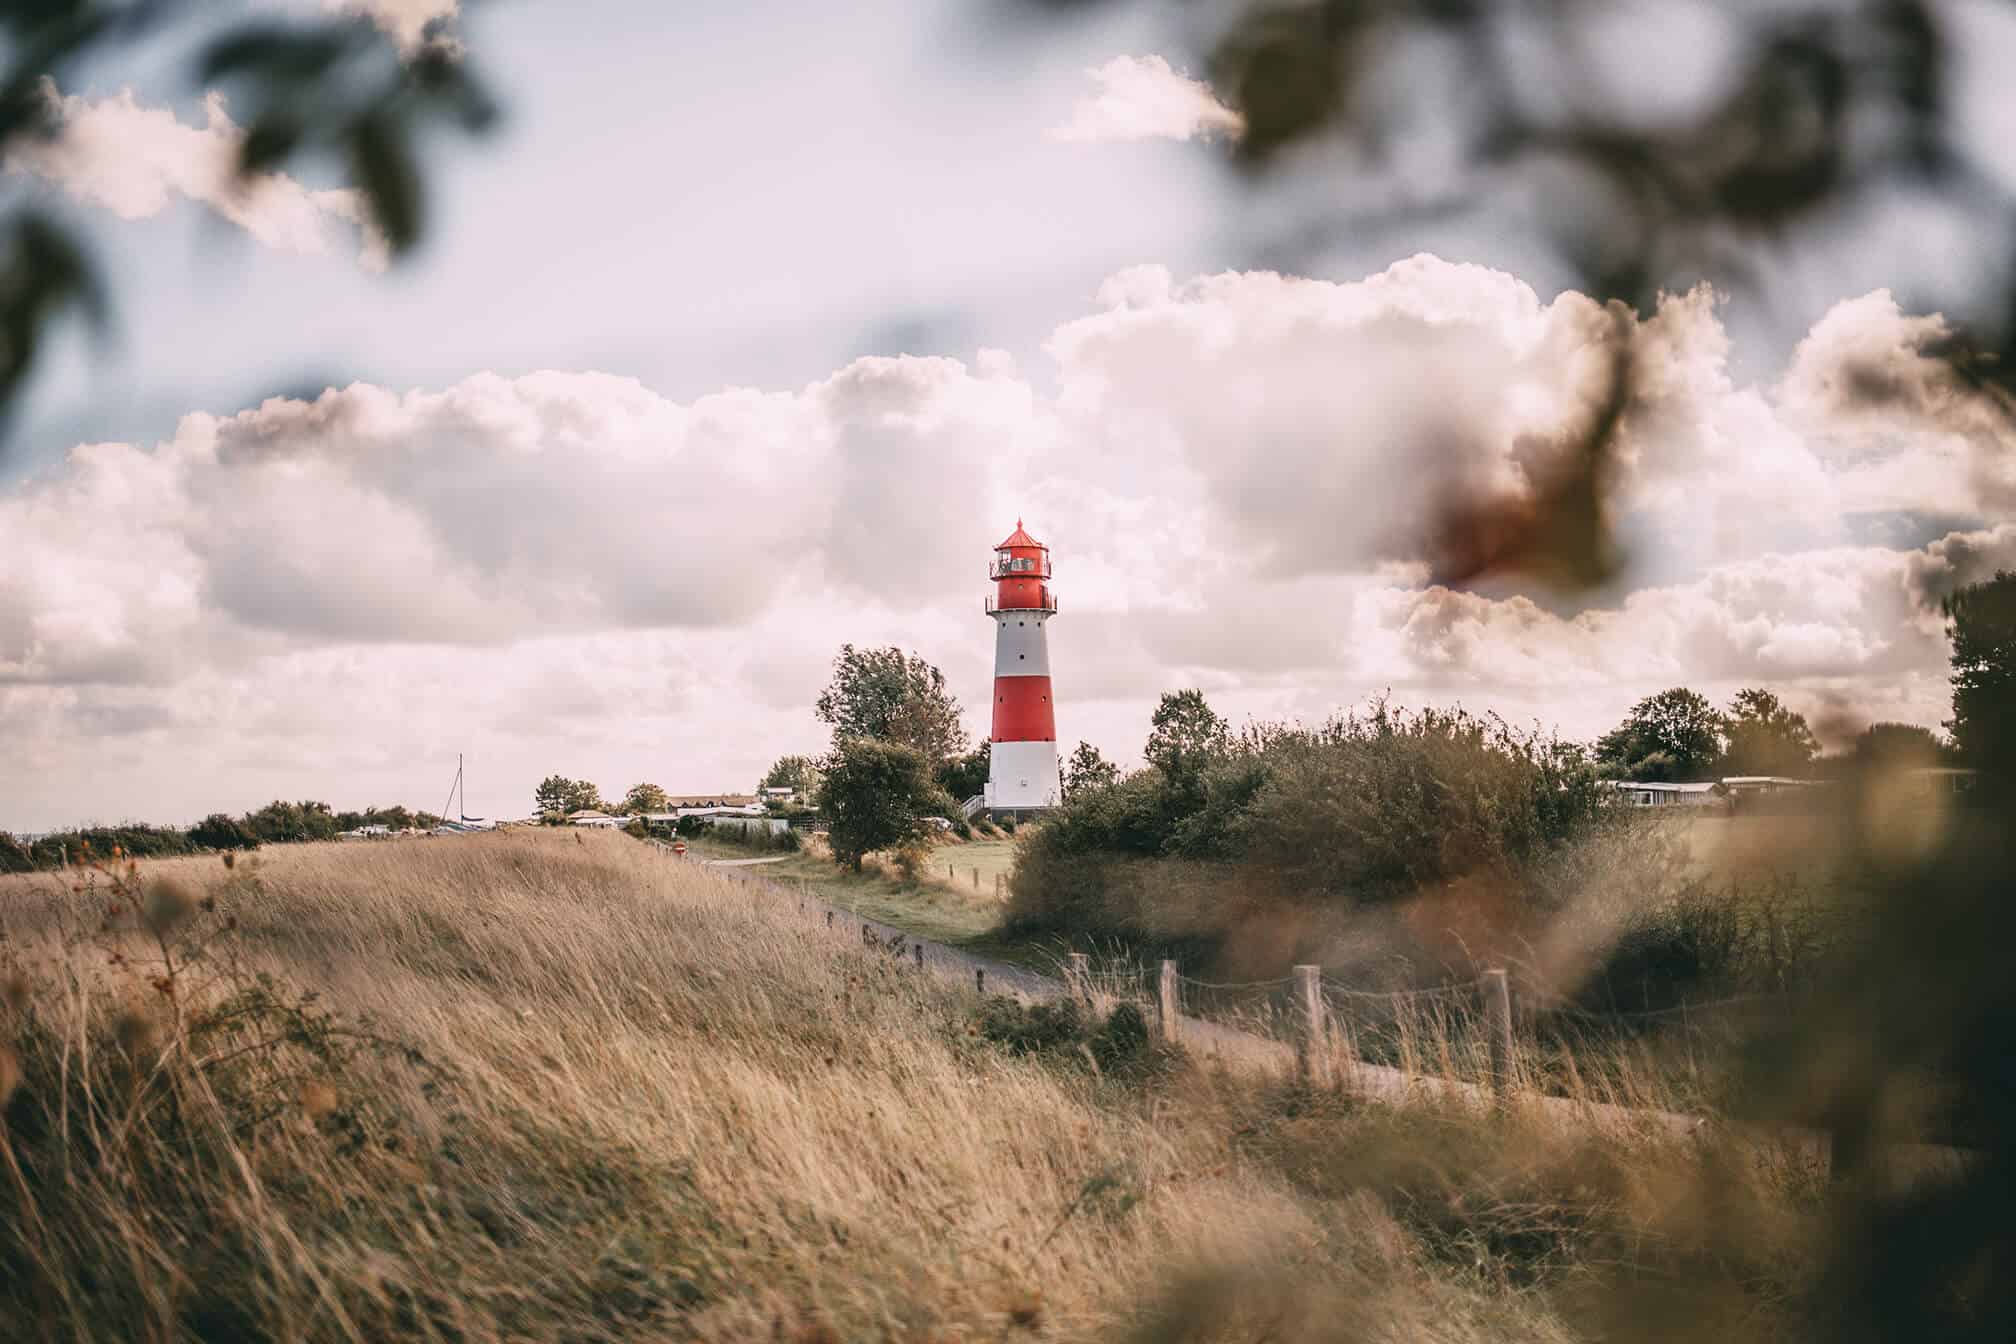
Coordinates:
[279,822]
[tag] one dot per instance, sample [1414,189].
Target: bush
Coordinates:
[1064,1031]
[1703,943]
[106,842]
[14,855]
[220,831]
[1364,811]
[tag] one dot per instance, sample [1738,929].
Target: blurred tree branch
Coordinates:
[1821,104]
[336,87]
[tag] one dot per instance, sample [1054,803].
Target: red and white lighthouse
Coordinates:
[1023,773]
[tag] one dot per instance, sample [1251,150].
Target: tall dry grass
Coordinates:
[556,1087]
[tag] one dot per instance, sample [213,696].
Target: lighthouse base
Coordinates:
[1023,775]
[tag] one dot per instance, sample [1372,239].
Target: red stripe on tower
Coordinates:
[1022,711]
[1023,773]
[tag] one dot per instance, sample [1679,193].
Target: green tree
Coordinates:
[220,830]
[1185,736]
[1765,738]
[792,772]
[281,822]
[557,793]
[964,776]
[1897,746]
[1087,769]
[644,798]
[1981,622]
[899,697]
[876,796]
[1674,735]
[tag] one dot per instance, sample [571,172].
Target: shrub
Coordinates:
[1364,810]
[1064,1031]
[108,842]
[221,831]
[14,855]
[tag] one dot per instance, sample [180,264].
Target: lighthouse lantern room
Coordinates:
[1023,774]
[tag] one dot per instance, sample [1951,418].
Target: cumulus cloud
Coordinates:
[1145,98]
[136,161]
[1235,472]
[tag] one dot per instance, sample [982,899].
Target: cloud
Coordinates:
[570,571]
[136,161]
[1145,98]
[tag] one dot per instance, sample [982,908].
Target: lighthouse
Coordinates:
[1023,771]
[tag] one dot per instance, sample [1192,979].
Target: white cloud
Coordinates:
[136,161]
[1145,98]
[569,571]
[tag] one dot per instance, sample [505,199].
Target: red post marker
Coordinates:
[679,848]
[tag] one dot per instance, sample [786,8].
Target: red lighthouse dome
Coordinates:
[1023,774]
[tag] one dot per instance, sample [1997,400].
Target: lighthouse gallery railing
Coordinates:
[1045,603]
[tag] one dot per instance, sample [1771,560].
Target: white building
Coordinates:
[1708,794]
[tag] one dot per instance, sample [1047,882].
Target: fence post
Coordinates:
[976,879]
[829,919]
[918,949]
[1170,1008]
[1498,1029]
[867,938]
[1078,978]
[1313,1055]
[980,981]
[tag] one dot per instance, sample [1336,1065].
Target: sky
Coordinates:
[752,329]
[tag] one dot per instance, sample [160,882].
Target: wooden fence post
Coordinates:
[976,879]
[918,949]
[980,981]
[1171,1009]
[829,919]
[867,938]
[1313,1054]
[1078,978]
[1498,1029]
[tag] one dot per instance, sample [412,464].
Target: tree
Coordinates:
[1897,746]
[1765,738]
[1185,735]
[1981,622]
[1674,735]
[644,798]
[282,822]
[1087,769]
[220,830]
[876,796]
[557,793]
[792,772]
[889,694]
[337,89]
[964,776]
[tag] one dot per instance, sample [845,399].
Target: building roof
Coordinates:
[1020,538]
[1663,787]
[1761,781]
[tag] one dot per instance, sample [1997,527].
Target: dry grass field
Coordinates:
[547,1087]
